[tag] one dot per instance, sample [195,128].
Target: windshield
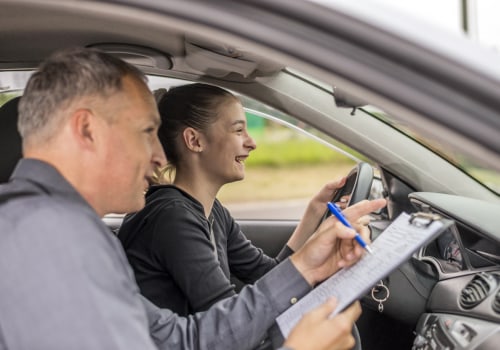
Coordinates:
[486,176]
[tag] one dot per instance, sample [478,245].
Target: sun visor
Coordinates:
[219,60]
[143,57]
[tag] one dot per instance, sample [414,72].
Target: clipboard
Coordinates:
[405,235]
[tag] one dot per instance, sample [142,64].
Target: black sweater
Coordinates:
[171,249]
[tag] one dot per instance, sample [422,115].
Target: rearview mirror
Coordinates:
[346,100]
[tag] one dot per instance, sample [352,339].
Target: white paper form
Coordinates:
[391,248]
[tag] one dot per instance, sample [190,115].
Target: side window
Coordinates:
[7,96]
[290,165]
[12,84]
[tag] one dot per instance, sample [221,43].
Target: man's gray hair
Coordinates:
[64,77]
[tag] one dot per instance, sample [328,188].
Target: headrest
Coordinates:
[10,139]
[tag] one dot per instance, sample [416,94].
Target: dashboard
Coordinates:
[462,310]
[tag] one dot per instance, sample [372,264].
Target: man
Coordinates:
[89,124]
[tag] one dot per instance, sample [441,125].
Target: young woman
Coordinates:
[184,245]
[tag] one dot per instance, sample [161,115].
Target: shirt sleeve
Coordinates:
[239,322]
[182,246]
[72,289]
[65,284]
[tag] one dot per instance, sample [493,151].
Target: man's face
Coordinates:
[130,148]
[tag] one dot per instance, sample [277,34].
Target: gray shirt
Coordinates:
[66,283]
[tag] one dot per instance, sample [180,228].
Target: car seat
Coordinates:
[10,139]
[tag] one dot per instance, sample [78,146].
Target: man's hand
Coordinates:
[332,246]
[316,331]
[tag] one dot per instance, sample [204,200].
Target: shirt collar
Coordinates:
[46,177]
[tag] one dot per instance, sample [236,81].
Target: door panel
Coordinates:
[269,235]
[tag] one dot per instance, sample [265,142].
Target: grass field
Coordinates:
[287,182]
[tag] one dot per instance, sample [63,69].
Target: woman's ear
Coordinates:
[192,140]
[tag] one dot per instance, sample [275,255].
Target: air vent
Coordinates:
[477,290]
[496,303]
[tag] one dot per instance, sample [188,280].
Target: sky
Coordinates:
[484,25]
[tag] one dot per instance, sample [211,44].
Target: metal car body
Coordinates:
[301,57]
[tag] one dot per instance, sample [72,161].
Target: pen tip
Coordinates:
[369,250]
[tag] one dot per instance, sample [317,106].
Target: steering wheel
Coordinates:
[357,188]
[358,184]
[357,338]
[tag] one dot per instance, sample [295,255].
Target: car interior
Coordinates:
[446,296]
[10,140]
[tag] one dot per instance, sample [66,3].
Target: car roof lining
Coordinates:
[80,25]
[77,25]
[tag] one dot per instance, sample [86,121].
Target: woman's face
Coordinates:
[227,144]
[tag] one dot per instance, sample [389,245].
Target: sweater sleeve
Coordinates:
[181,244]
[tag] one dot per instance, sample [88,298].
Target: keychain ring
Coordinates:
[375,290]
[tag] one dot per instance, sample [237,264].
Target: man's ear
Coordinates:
[192,140]
[83,127]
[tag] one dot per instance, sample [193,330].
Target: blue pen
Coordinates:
[335,210]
